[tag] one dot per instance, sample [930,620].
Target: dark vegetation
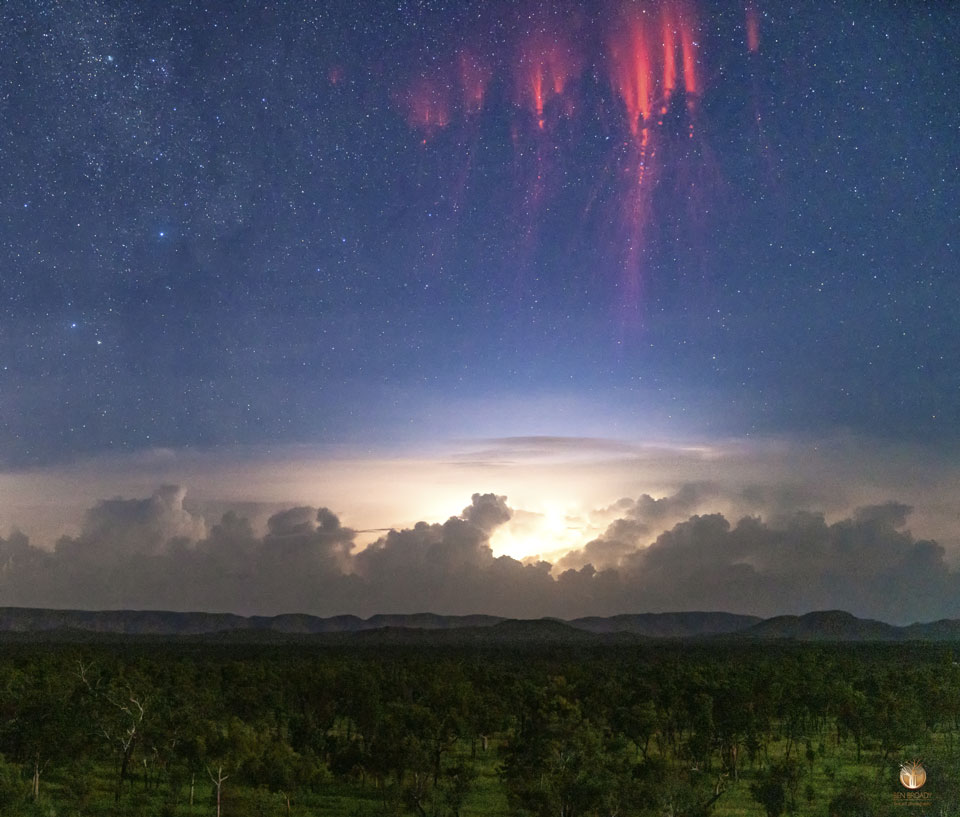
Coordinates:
[558,729]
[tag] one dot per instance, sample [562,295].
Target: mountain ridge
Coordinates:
[822,625]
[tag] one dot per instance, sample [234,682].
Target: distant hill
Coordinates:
[152,622]
[827,625]
[21,623]
[130,622]
[508,631]
[429,621]
[943,630]
[668,625]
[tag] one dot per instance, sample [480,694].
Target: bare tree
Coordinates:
[123,730]
[218,782]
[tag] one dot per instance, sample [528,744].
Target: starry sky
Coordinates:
[248,239]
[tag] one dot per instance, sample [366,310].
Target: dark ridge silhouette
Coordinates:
[945,629]
[131,622]
[829,625]
[19,623]
[301,623]
[551,628]
[505,632]
[430,621]
[667,625]
[159,622]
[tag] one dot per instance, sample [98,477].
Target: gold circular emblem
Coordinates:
[913,775]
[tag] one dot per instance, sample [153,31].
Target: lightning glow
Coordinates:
[548,533]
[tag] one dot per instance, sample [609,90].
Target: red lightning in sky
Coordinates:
[475,75]
[669,56]
[427,105]
[639,78]
[632,74]
[688,45]
[536,90]
[645,71]
[547,64]
[753,29]
[652,50]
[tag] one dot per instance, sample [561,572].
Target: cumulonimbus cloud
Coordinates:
[154,553]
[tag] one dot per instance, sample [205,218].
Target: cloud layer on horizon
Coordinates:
[655,554]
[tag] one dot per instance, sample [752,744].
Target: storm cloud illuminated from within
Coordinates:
[526,308]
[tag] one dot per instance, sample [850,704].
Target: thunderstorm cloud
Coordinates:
[656,554]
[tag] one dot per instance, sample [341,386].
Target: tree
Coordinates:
[770,793]
[281,770]
[856,799]
[895,720]
[218,778]
[774,787]
[12,790]
[223,749]
[78,783]
[120,705]
[562,764]
[852,715]
[639,722]
[42,725]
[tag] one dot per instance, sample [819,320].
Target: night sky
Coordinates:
[245,240]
